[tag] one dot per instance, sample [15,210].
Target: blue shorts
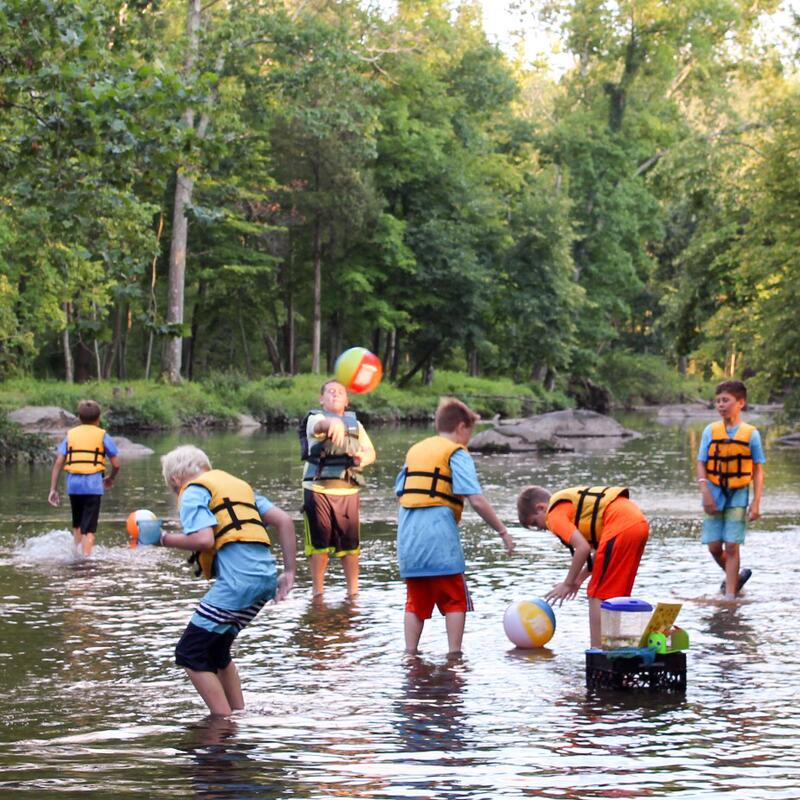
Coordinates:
[729,525]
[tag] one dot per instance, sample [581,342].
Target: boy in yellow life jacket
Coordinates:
[224,521]
[438,476]
[335,448]
[730,458]
[606,533]
[83,454]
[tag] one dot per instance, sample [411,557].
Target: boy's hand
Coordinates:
[53,498]
[709,506]
[108,482]
[755,512]
[562,591]
[337,432]
[285,585]
[508,542]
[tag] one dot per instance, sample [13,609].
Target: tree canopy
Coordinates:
[188,188]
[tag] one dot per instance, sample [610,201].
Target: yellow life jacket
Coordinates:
[428,479]
[85,452]
[590,502]
[233,503]
[326,463]
[730,462]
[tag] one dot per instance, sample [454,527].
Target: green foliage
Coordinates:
[16,445]
[643,379]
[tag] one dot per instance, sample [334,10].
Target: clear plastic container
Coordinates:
[623,620]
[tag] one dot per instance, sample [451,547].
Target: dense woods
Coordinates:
[250,186]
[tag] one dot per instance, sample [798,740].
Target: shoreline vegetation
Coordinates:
[276,403]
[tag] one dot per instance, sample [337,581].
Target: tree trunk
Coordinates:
[247,365]
[273,353]
[69,365]
[316,330]
[424,359]
[184,187]
[195,330]
[395,357]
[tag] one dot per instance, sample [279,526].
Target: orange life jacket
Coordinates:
[428,479]
[233,503]
[730,462]
[590,502]
[85,452]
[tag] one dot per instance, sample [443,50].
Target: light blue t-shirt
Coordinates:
[245,572]
[734,498]
[428,542]
[88,484]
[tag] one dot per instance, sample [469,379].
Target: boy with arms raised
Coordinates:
[336,448]
[729,459]
[82,455]
[225,523]
[599,520]
[438,475]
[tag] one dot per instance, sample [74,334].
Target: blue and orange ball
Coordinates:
[529,623]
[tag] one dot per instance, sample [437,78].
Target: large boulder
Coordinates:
[43,419]
[557,431]
[54,421]
[699,411]
[790,440]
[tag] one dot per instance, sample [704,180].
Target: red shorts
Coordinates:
[448,593]
[616,561]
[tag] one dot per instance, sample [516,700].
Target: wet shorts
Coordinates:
[331,523]
[729,525]
[85,511]
[448,593]
[617,561]
[204,651]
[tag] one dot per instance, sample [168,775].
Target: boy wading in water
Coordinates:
[336,448]
[225,522]
[730,458]
[439,474]
[83,454]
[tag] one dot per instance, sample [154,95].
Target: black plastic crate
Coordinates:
[666,674]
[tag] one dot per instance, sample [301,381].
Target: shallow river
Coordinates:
[92,705]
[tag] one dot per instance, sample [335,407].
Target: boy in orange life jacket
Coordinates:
[729,459]
[83,455]
[224,521]
[439,474]
[599,519]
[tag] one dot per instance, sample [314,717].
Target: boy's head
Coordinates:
[333,397]
[182,464]
[455,418]
[730,398]
[532,507]
[89,412]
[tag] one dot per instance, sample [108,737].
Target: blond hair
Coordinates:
[529,498]
[184,463]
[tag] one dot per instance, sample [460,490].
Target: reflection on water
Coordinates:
[92,703]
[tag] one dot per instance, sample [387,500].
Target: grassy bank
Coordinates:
[276,402]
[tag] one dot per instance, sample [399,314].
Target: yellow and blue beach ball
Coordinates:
[529,623]
[358,370]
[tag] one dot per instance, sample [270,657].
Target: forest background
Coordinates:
[222,194]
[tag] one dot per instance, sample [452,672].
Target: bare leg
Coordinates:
[454,623]
[350,567]
[229,678]
[715,548]
[413,626]
[731,569]
[594,621]
[77,540]
[88,544]
[319,563]
[210,688]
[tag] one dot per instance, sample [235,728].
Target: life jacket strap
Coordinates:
[236,523]
[435,477]
[595,511]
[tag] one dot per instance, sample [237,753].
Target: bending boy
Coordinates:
[225,523]
[590,520]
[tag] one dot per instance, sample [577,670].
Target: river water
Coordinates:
[91,703]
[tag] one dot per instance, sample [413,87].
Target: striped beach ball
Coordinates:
[529,623]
